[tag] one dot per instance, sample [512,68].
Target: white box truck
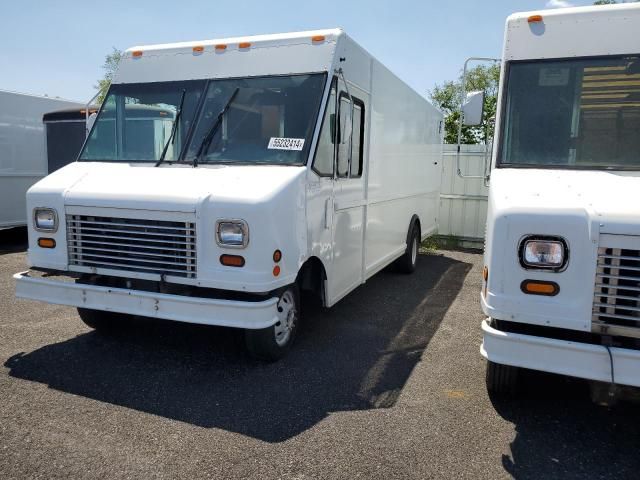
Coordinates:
[224,179]
[23,157]
[562,262]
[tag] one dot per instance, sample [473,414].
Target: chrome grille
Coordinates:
[616,303]
[139,245]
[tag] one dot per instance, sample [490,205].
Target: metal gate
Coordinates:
[463,201]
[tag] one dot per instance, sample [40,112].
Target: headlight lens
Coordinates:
[232,233]
[45,219]
[543,253]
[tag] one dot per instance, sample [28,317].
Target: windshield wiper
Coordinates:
[174,128]
[208,138]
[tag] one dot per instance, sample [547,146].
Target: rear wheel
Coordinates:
[407,262]
[273,343]
[101,320]
[501,379]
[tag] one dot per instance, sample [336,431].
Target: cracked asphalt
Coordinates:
[387,384]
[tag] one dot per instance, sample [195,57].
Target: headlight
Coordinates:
[232,233]
[45,219]
[543,252]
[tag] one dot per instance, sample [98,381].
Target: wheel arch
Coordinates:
[312,277]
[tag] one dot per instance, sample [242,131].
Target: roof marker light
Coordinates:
[318,38]
[136,53]
[534,19]
[221,47]
[244,45]
[198,49]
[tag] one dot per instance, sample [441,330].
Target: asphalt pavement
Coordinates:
[387,384]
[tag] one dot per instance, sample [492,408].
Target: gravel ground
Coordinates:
[387,384]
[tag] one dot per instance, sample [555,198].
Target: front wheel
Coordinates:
[502,380]
[101,320]
[273,343]
[407,262]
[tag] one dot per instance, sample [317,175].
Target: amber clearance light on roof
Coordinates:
[244,45]
[136,53]
[534,19]
[198,49]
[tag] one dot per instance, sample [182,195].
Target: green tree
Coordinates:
[447,98]
[110,66]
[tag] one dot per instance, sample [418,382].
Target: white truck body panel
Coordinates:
[354,226]
[593,209]
[23,159]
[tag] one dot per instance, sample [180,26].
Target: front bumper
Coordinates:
[564,357]
[207,311]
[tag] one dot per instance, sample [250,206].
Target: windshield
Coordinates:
[265,120]
[246,120]
[573,114]
[135,121]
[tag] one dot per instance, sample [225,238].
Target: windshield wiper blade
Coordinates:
[208,138]
[174,128]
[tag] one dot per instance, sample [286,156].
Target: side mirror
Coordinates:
[473,108]
[90,121]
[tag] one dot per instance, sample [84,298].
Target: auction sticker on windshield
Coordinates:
[277,143]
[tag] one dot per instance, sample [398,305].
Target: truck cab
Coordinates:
[561,286]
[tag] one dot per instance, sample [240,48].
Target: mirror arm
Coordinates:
[464,89]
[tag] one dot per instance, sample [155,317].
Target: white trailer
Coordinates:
[23,158]
[298,164]
[562,263]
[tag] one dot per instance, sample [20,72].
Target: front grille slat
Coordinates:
[146,246]
[129,239]
[616,301]
[101,231]
[128,226]
[96,245]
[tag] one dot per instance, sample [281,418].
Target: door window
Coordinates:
[350,167]
[323,163]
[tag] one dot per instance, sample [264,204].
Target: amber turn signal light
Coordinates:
[539,287]
[46,243]
[232,260]
[485,273]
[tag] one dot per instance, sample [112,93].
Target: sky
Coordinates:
[58,48]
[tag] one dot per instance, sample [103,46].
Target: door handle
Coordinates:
[327,214]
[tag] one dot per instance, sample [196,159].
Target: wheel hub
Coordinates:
[286,318]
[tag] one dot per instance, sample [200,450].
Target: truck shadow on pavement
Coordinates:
[561,433]
[13,240]
[356,356]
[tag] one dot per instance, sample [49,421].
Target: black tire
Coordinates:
[407,262]
[502,380]
[273,343]
[102,321]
